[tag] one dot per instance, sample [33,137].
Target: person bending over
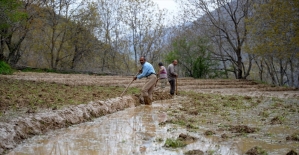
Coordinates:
[147,71]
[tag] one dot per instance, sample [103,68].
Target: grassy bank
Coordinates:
[20,96]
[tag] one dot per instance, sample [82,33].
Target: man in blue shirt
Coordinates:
[147,71]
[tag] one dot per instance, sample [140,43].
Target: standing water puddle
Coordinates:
[132,131]
[136,131]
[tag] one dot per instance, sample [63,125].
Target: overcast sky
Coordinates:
[167,4]
[171,6]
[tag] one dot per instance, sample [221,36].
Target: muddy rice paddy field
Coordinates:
[215,116]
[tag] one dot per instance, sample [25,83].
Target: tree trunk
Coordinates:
[2,58]
[271,73]
[220,41]
[274,71]
[247,73]
[52,49]
[260,67]
[281,72]
[239,61]
[297,79]
[292,73]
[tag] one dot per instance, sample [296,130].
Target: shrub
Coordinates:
[174,143]
[5,68]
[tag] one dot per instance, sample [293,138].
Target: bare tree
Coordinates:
[82,28]
[224,20]
[108,11]
[145,24]
[58,16]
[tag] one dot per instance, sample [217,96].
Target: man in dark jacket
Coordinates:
[172,75]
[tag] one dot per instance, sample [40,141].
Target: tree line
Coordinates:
[251,39]
[99,35]
[242,39]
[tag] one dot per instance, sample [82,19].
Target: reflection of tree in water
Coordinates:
[143,127]
[124,132]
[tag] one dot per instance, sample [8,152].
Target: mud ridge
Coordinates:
[15,131]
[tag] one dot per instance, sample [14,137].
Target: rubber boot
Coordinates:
[147,100]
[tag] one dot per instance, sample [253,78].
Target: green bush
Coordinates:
[174,143]
[5,68]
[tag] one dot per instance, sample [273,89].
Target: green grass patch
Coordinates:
[174,143]
[5,68]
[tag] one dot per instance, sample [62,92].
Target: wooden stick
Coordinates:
[176,85]
[128,86]
[157,80]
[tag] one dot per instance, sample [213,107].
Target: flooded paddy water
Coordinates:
[207,117]
[142,130]
[132,131]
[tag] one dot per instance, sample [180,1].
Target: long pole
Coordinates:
[176,85]
[128,86]
[158,75]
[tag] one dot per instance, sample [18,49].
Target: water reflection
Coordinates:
[124,132]
[132,131]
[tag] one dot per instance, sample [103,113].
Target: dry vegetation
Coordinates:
[23,96]
[27,92]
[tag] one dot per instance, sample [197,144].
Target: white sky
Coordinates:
[170,5]
[172,8]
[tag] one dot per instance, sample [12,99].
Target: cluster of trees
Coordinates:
[273,29]
[12,21]
[99,35]
[193,53]
[256,39]
[251,38]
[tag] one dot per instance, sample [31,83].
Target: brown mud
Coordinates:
[18,129]
[23,125]
[194,112]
